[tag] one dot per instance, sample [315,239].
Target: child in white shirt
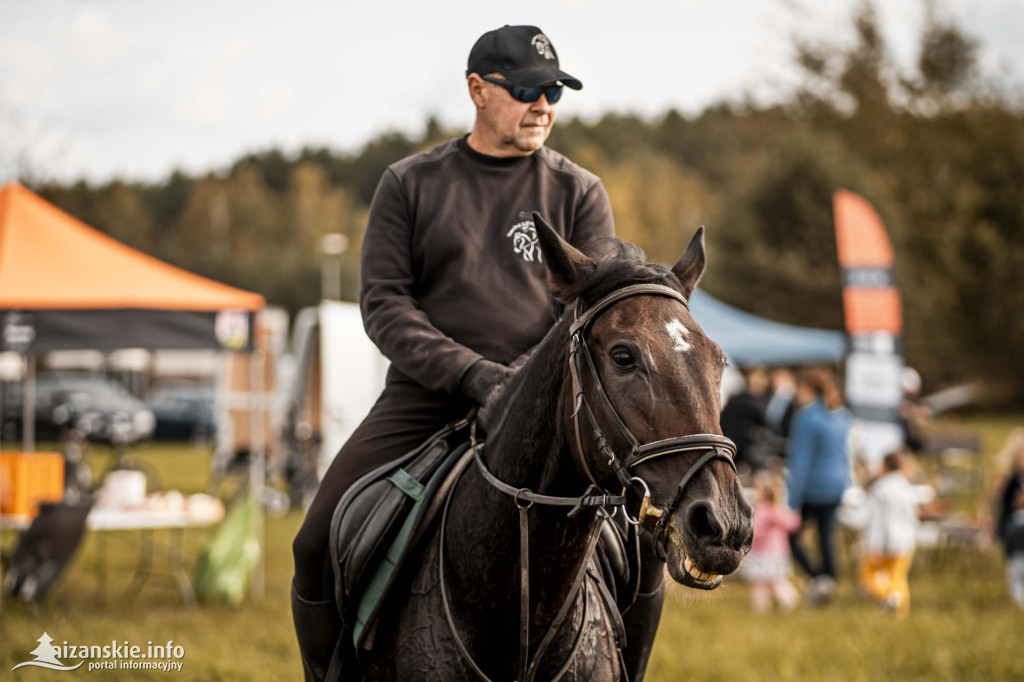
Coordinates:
[889,537]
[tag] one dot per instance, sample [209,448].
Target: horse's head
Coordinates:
[644,403]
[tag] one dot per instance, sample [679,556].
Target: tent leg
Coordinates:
[257,458]
[28,406]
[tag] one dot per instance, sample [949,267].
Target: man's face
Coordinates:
[518,128]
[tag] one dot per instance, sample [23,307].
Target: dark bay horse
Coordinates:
[622,392]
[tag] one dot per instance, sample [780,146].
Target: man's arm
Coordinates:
[594,221]
[391,315]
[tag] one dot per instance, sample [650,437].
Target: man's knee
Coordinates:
[309,550]
[307,547]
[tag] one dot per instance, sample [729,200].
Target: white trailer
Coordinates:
[338,376]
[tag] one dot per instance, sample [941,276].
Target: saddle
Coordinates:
[378,522]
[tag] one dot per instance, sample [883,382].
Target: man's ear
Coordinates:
[691,266]
[477,87]
[565,263]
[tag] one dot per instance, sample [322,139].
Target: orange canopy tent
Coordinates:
[65,285]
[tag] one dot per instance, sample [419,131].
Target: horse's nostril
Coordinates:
[703,523]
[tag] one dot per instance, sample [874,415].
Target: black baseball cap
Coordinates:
[522,54]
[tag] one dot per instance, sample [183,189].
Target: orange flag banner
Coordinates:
[870,298]
[874,323]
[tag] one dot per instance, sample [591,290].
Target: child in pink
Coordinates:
[768,566]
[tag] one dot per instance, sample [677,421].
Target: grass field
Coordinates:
[962,626]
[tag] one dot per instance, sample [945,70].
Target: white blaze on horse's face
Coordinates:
[678,332]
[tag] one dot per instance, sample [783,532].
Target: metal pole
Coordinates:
[330,278]
[257,460]
[28,406]
[331,247]
[3,398]
[224,441]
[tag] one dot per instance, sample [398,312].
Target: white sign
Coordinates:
[874,380]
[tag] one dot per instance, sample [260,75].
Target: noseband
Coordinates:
[652,517]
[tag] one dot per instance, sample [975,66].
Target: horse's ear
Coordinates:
[691,266]
[565,262]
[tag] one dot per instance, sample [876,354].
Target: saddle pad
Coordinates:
[379,585]
[372,513]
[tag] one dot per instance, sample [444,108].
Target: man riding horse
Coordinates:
[454,293]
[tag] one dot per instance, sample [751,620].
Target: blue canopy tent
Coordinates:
[752,340]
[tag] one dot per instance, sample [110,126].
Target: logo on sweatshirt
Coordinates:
[524,240]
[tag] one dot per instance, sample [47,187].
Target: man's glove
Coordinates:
[481,379]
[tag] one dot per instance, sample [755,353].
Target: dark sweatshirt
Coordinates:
[450,267]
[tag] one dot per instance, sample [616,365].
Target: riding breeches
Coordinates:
[404,416]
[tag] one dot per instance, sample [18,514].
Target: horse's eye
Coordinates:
[622,357]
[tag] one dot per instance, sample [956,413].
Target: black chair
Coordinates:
[45,549]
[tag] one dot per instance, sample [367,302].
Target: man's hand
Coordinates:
[483,383]
[481,379]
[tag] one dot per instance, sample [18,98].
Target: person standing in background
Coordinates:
[818,461]
[783,395]
[1014,543]
[913,413]
[742,419]
[1012,457]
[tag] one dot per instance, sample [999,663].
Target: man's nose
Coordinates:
[542,105]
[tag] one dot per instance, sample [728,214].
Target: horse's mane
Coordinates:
[619,265]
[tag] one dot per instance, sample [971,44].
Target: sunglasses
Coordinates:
[529,95]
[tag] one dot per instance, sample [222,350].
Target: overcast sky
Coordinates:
[135,88]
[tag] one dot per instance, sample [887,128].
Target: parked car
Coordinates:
[184,411]
[100,406]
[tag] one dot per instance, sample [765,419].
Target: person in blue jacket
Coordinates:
[818,461]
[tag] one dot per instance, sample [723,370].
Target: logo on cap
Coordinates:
[543,45]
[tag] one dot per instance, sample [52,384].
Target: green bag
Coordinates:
[229,558]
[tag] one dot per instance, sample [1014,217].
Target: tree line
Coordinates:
[937,148]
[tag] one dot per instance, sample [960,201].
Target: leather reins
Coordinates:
[651,517]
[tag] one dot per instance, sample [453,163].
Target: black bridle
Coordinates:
[649,516]
[652,517]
